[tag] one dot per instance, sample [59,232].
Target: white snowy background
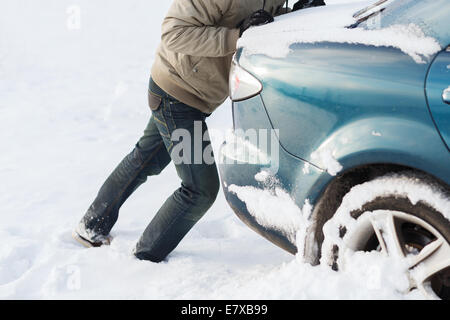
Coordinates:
[73,84]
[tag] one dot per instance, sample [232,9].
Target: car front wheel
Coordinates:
[402,216]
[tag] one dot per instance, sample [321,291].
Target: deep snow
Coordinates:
[72,104]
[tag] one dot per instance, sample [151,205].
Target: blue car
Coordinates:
[344,145]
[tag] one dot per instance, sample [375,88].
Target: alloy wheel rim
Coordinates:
[410,239]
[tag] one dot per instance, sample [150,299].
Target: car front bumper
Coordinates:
[299,179]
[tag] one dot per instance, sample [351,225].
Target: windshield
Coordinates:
[431,16]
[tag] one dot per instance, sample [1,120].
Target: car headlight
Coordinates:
[243,85]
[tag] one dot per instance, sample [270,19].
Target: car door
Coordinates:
[438,93]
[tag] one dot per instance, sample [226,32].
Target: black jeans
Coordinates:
[152,153]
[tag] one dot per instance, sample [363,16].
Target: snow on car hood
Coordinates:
[329,24]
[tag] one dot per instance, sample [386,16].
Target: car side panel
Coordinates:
[438,80]
[351,103]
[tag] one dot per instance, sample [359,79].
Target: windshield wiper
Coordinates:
[365,18]
[370,12]
[361,12]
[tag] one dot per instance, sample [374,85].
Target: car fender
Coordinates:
[378,140]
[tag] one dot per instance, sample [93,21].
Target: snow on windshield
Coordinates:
[329,24]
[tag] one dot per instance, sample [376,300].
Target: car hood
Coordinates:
[330,24]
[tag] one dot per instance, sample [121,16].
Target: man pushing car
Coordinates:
[189,80]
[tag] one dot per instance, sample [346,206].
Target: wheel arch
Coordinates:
[386,139]
[334,191]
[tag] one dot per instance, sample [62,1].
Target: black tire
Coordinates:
[437,216]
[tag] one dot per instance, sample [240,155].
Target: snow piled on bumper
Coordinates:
[273,208]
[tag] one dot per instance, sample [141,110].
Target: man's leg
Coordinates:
[198,191]
[149,157]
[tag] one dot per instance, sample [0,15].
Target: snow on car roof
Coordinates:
[329,24]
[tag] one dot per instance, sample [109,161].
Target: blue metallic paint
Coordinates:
[437,81]
[366,104]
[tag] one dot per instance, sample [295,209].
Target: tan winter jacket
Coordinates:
[199,39]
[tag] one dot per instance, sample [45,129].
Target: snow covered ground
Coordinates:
[73,81]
